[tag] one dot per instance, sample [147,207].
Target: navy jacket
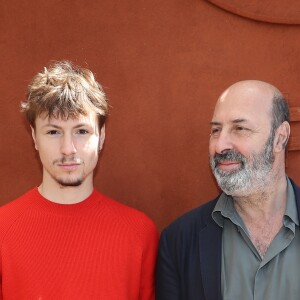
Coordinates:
[189,258]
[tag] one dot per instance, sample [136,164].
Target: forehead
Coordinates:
[249,104]
[90,119]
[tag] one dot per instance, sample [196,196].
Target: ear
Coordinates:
[282,136]
[102,138]
[33,137]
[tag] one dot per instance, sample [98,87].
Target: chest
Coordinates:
[70,258]
[262,234]
[273,276]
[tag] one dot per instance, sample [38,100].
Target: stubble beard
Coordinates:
[70,183]
[71,180]
[253,173]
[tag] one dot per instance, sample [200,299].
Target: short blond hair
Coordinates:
[64,91]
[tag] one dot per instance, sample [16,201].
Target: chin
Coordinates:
[69,182]
[239,193]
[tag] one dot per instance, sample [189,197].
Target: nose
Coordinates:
[67,145]
[221,143]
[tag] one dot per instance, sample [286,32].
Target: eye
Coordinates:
[82,131]
[53,132]
[241,128]
[215,131]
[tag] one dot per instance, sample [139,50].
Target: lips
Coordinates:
[68,163]
[228,165]
[230,161]
[69,167]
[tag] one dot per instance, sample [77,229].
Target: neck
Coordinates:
[57,193]
[262,212]
[264,204]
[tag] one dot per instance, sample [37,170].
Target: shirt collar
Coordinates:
[225,209]
[291,208]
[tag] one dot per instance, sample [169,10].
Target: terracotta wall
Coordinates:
[163,64]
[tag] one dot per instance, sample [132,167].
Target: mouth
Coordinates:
[227,165]
[69,167]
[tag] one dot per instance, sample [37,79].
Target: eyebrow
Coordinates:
[235,121]
[239,121]
[59,127]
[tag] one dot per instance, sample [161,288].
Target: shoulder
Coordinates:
[297,194]
[193,221]
[12,211]
[132,218]
[180,241]
[295,186]
[17,206]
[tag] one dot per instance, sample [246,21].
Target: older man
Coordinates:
[245,244]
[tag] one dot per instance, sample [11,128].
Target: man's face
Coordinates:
[68,149]
[241,142]
[251,170]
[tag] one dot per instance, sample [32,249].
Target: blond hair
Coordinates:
[64,91]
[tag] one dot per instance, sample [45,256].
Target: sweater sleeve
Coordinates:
[1,296]
[147,283]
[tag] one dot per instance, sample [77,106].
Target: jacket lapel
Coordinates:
[210,238]
[210,248]
[297,194]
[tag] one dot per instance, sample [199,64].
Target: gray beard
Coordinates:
[253,173]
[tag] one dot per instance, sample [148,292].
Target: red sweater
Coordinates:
[96,249]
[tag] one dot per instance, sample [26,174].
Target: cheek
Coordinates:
[90,158]
[91,146]
[244,150]
[46,155]
[47,151]
[211,148]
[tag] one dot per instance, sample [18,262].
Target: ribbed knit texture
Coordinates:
[96,249]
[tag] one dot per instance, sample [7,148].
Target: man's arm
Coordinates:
[167,280]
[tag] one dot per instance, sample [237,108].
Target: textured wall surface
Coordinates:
[162,64]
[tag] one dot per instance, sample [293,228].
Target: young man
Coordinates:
[63,239]
[245,244]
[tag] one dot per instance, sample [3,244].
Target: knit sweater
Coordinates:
[95,249]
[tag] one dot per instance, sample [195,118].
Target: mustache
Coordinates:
[229,155]
[64,160]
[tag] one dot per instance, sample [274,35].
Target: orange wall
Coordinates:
[163,64]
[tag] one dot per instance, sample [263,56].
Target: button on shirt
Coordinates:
[245,274]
